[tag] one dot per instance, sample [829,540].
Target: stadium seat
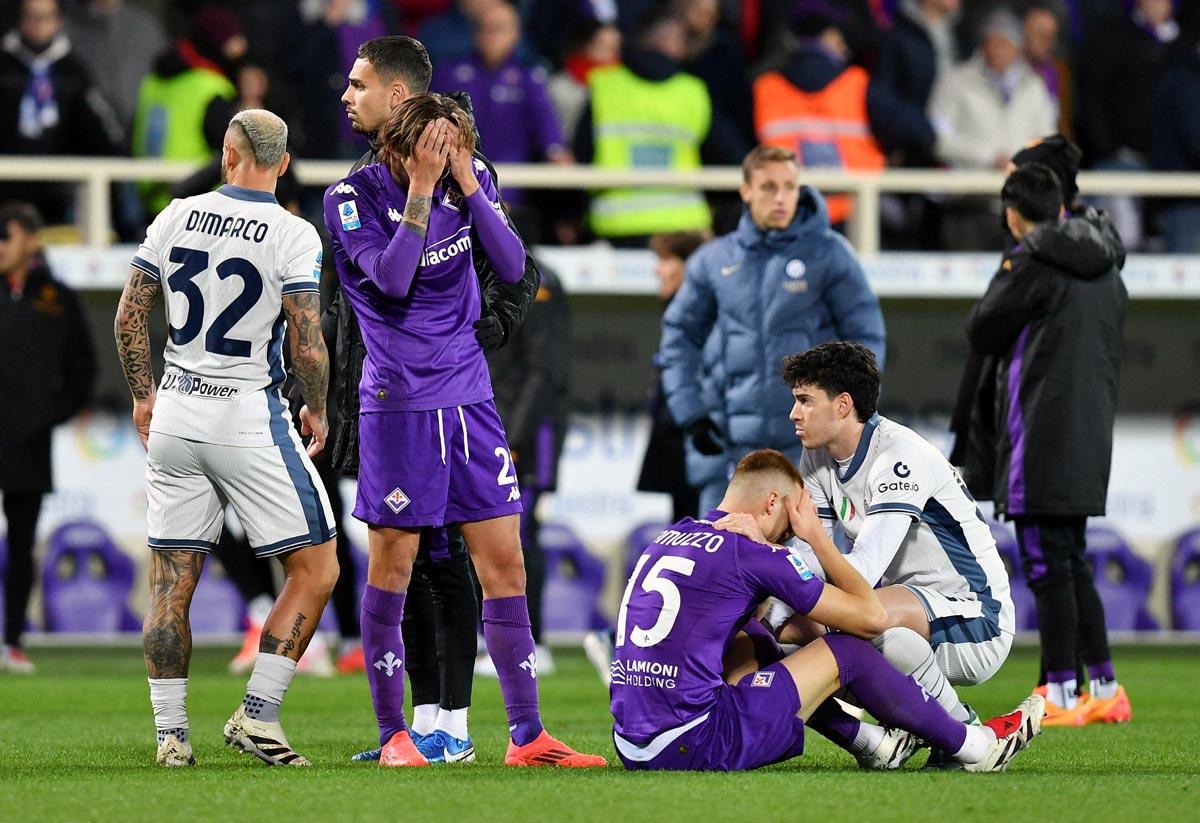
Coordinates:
[574,580]
[217,606]
[1185,582]
[86,582]
[1023,601]
[1123,580]
[641,537]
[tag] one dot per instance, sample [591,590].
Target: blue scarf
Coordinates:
[39,106]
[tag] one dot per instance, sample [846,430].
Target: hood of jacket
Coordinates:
[58,48]
[812,68]
[811,218]
[649,65]
[1086,245]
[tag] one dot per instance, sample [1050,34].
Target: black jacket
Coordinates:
[531,376]
[1053,317]
[508,303]
[47,372]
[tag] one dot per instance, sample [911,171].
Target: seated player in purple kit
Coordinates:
[432,447]
[697,683]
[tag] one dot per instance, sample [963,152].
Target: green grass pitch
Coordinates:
[77,743]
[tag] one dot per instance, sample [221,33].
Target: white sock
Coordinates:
[912,655]
[269,682]
[425,718]
[453,722]
[868,738]
[979,740]
[168,697]
[1062,694]
[1103,689]
[259,609]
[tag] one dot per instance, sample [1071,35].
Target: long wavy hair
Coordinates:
[397,140]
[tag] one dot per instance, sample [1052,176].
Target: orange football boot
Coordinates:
[546,751]
[1115,709]
[400,751]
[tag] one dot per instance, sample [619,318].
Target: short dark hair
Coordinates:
[23,214]
[399,56]
[768,461]
[679,244]
[837,367]
[1033,190]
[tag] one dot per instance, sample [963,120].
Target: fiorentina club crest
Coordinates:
[397,500]
[763,679]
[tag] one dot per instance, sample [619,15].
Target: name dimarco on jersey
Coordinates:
[207,222]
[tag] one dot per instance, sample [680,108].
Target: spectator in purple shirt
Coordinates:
[516,119]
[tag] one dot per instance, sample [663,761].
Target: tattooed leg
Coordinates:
[311,573]
[167,633]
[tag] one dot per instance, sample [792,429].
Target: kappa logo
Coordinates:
[901,469]
[397,501]
[763,679]
[389,664]
[478,164]
[529,664]
[393,214]
[344,188]
[514,494]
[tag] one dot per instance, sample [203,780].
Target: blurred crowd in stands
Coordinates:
[864,84]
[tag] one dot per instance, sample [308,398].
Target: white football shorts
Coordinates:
[274,490]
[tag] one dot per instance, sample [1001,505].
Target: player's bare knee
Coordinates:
[505,578]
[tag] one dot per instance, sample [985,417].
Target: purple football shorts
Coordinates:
[430,468]
[750,724]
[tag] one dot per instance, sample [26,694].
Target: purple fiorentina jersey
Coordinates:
[691,590]
[421,349]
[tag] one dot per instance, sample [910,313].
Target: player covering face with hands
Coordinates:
[699,685]
[432,448]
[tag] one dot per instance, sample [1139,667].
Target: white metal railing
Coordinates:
[95,174]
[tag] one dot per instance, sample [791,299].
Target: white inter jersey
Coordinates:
[948,551]
[225,259]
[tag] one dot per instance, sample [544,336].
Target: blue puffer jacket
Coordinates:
[770,294]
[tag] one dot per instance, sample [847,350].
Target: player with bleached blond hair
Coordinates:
[237,273]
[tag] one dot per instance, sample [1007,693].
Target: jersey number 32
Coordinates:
[194,262]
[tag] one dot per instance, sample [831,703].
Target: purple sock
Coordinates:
[510,644]
[894,699]
[1102,671]
[383,647]
[834,724]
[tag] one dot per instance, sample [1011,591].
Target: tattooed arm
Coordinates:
[131,329]
[167,635]
[310,363]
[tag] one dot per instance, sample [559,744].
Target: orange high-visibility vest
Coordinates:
[826,128]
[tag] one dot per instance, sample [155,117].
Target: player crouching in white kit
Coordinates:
[233,266]
[916,529]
